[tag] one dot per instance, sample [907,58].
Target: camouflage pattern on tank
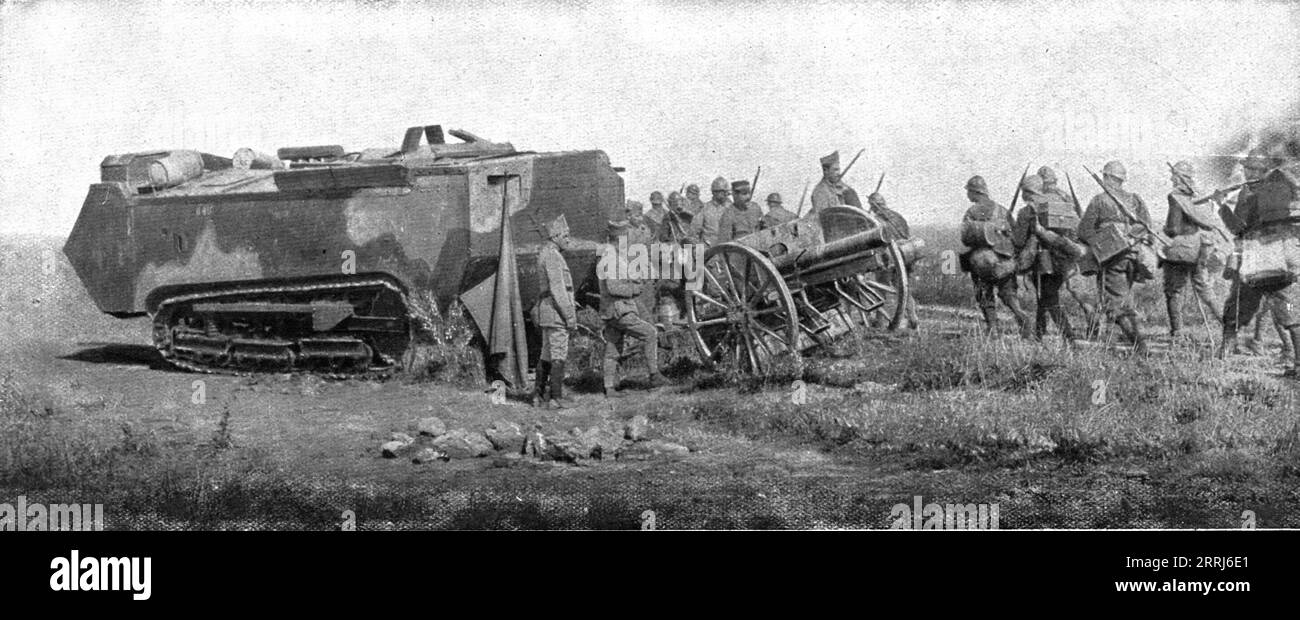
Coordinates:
[422,217]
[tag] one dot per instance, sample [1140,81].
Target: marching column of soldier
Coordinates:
[1053,243]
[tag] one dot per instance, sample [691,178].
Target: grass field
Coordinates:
[1058,437]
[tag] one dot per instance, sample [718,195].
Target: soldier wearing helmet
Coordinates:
[705,226]
[776,214]
[829,192]
[1256,164]
[622,314]
[676,224]
[1189,251]
[1115,278]
[1074,281]
[990,256]
[1046,256]
[555,314]
[693,203]
[742,217]
[1257,218]
[655,215]
[639,231]
[897,230]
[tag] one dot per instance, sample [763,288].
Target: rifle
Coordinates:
[1230,188]
[846,169]
[799,211]
[1077,209]
[1188,214]
[1011,212]
[753,187]
[1124,209]
[879,183]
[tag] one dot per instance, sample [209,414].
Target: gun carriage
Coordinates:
[787,289]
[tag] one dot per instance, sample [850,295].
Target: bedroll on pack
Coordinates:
[987,264]
[1269,260]
[993,235]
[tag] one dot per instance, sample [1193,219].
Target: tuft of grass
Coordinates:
[446,346]
[941,402]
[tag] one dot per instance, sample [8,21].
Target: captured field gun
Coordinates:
[788,288]
[309,259]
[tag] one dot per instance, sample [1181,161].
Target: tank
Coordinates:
[308,260]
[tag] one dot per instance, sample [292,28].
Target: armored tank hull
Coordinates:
[308,260]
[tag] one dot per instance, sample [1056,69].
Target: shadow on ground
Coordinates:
[120,354]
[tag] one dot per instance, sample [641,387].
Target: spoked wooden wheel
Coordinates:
[742,309]
[884,294]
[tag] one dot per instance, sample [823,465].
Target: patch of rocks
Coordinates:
[508,442]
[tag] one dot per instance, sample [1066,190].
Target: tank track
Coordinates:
[195,342]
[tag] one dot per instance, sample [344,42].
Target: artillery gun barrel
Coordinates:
[817,256]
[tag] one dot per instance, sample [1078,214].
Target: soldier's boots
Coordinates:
[657,380]
[558,401]
[1228,346]
[540,384]
[1022,319]
[1063,321]
[1294,332]
[990,321]
[1128,325]
[1256,347]
[1175,317]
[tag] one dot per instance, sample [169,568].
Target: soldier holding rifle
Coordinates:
[742,217]
[1189,251]
[776,213]
[1112,225]
[1045,239]
[990,256]
[1074,279]
[830,191]
[1267,222]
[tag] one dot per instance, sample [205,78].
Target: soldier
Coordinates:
[776,213]
[676,224]
[742,217]
[639,230]
[1254,220]
[1117,274]
[986,231]
[1074,280]
[705,224]
[1189,250]
[1046,253]
[1256,165]
[555,314]
[656,213]
[898,230]
[693,202]
[829,191]
[618,308]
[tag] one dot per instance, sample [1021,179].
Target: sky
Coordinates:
[675,92]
